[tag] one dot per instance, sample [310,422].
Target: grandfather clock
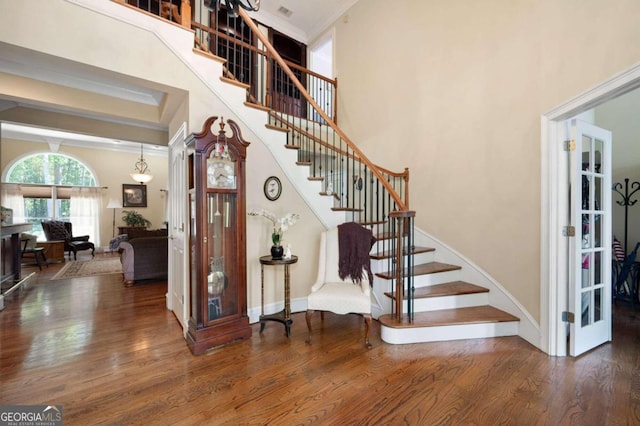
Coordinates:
[217,226]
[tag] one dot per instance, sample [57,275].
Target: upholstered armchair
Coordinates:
[55,230]
[334,294]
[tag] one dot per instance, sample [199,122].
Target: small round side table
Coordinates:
[283,316]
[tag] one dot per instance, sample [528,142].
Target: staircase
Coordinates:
[437,300]
[442,306]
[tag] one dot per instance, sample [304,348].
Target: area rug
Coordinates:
[89,268]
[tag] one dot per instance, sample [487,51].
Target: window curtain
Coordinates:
[85,211]
[11,198]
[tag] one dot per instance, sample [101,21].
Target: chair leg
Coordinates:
[308,318]
[35,256]
[44,257]
[367,326]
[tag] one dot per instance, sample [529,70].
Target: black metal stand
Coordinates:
[626,202]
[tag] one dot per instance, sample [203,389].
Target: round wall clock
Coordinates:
[272,188]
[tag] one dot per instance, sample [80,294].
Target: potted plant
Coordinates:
[134,219]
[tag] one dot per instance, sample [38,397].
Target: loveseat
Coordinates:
[144,258]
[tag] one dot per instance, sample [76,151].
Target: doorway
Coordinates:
[554,169]
[321,61]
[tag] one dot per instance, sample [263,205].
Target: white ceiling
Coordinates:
[307,20]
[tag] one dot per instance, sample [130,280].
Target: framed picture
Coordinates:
[134,195]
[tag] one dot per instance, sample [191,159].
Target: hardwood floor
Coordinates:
[115,355]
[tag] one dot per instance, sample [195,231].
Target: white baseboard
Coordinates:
[296,305]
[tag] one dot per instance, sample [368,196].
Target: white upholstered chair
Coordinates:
[331,293]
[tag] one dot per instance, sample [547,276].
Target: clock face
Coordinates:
[221,174]
[272,188]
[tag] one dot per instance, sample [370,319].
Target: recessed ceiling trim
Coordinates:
[48,136]
[37,70]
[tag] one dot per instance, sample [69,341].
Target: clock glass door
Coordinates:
[222,289]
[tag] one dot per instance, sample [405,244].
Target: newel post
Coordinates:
[402,249]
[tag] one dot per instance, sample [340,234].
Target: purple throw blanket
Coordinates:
[354,243]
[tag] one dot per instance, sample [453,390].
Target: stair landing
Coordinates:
[449,324]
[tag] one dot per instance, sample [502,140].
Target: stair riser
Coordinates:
[421,280]
[418,259]
[449,302]
[400,336]
[437,278]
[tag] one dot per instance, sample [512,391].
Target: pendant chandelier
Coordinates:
[233,5]
[140,171]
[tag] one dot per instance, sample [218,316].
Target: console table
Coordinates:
[284,316]
[53,250]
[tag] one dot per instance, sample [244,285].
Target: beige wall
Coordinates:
[455,90]
[111,169]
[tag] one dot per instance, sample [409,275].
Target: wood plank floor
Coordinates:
[114,355]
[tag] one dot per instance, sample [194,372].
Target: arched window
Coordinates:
[51,169]
[47,187]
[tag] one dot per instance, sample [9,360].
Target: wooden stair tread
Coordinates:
[373,222]
[345,209]
[387,254]
[385,236]
[424,269]
[459,316]
[453,288]
[257,106]
[330,194]
[209,55]
[277,128]
[235,82]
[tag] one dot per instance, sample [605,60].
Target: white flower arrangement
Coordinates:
[280,226]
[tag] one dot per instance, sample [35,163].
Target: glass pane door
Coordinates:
[590,295]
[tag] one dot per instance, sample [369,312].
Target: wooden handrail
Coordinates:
[274,54]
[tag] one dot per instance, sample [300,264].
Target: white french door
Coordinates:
[590,249]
